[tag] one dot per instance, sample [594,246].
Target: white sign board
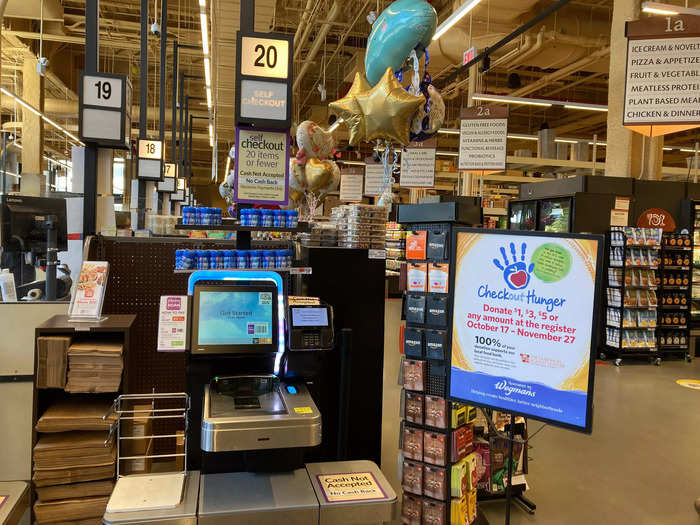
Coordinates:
[351,187]
[102,91]
[150,149]
[172,323]
[170,170]
[149,169]
[264,57]
[167,185]
[374,178]
[524,327]
[417,167]
[663,81]
[351,486]
[483,134]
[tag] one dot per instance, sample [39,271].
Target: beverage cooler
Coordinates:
[695,297]
[545,215]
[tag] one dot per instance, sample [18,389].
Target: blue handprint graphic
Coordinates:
[516,274]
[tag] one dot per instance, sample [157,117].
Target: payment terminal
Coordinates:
[311,327]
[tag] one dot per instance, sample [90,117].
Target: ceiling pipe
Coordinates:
[305,35]
[302,23]
[536,48]
[318,42]
[561,73]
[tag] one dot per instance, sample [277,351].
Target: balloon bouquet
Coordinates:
[377,108]
[311,174]
[226,188]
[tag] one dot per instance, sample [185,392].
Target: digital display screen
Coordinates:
[235,318]
[309,317]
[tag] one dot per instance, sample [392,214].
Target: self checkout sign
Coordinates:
[150,159]
[264,79]
[105,109]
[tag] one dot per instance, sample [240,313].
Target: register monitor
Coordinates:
[240,318]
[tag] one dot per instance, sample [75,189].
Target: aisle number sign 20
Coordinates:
[264,57]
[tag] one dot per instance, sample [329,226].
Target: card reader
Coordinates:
[311,327]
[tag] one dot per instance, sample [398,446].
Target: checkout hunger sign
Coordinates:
[523,323]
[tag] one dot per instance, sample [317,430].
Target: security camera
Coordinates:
[371,17]
[155,28]
[42,65]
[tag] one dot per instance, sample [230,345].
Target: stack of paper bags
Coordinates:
[52,355]
[94,366]
[76,414]
[69,457]
[82,511]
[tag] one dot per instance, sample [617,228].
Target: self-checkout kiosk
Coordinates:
[254,423]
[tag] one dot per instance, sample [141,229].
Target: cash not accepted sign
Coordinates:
[264,79]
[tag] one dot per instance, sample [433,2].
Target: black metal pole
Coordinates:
[185,146]
[345,357]
[173,123]
[248,15]
[181,138]
[143,104]
[486,52]
[92,8]
[509,460]
[163,78]
[4,163]
[51,257]
[189,156]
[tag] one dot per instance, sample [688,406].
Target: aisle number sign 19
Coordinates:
[105,109]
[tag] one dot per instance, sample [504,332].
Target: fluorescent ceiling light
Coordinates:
[585,107]
[455,17]
[353,162]
[202,3]
[335,125]
[447,153]
[207,72]
[519,136]
[21,102]
[447,131]
[688,150]
[511,100]
[205,35]
[228,166]
[209,104]
[566,141]
[657,8]
[61,128]
[211,135]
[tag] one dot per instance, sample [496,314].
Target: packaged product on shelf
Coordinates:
[416,242]
[412,477]
[500,457]
[634,277]
[628,319]
[434,512]
[471,462]
[459,511]
[482,451]
[413,443]
[614,277]
[435,341]
[437,245]
[643,297]
[471,506]
[413,342]
[630,298]
[653,300]
[417,277]
[411,510]
[415,308]
[436,310]
[434,482]
[435,448]
[458,415]
[413,375]
[461,442]
[438,277]
[414,407]
[435,412]
[459,482]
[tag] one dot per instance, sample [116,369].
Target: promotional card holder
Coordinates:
[87,295]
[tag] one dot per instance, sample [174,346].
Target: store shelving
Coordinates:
[675,296]
[631,293]
[231,225]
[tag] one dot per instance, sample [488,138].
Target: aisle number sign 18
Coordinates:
[105,109]
[150,149]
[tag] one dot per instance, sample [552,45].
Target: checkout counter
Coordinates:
[254,422]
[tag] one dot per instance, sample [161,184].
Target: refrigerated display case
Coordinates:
[555,215]
[523,216]
[695,297]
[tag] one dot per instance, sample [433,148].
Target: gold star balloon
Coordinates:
[387,109]
[349,110]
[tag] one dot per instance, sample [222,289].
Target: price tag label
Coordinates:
[170,170]
[150,149]
[300,271]
[264,57]
[102,91]
[376,254]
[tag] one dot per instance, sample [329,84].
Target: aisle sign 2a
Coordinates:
[104,103]
[264,79]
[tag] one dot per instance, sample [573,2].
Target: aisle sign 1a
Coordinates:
[104,102]
[264,79]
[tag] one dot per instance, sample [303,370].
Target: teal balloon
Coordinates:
[399,29]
